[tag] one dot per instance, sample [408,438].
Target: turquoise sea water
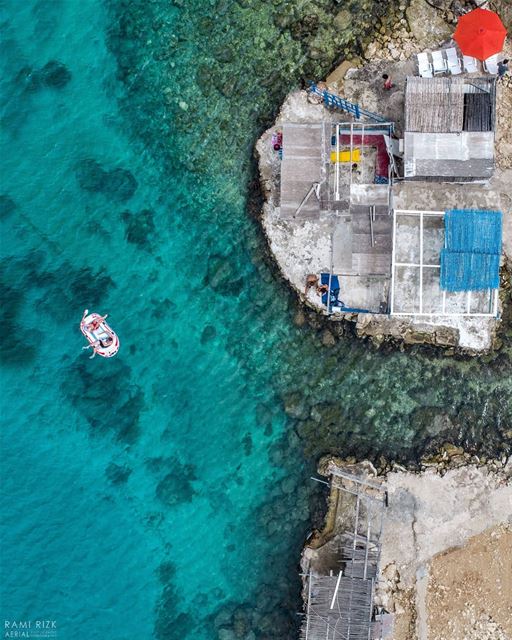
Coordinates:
[166,493]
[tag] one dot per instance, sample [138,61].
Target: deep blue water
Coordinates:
[152,495]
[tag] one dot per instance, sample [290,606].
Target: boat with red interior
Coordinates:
[102,339]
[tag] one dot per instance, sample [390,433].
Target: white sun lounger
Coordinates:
[491,64]
[439,62]
[454,66]
[424,67]
[470,64]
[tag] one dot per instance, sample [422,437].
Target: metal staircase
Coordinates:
[332,100]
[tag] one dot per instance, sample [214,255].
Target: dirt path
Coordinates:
[469,594]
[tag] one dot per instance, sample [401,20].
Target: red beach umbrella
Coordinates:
[480,34]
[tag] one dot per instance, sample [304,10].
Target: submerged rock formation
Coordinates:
[118,184]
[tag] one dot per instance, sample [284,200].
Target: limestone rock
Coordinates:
[428,28]
[328,340]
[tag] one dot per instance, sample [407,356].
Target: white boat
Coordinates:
[102,339]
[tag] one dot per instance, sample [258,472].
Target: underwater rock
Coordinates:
[55,74]
[174,489]
[295,405]
[208,334]
[330,413]
[116,411]
[28,77]
[119,183]
[223,617]
[64,288]
[287,485]
[170,624]
[16,347]
[7,206]
[117,474]
[85,286]
[343,20]
[247,444]
[203,76]
[166,572]
[139,227]
[328,340]
[263,414]
[224,55]
[160,308]
[222,275]
[431,420]
[299,319]
[305,28]
[90,175]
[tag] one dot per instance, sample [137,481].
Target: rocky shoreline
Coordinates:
[455,508]
[421,26]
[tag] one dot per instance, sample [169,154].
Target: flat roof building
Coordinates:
[449,128]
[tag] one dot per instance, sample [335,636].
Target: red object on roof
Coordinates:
[377,141]
[480,34]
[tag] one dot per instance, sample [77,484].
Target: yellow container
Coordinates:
[344,156]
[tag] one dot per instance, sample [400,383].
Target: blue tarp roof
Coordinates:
[469,271]
[470,260]
[468,230]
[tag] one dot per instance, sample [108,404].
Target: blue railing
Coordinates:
[332,100]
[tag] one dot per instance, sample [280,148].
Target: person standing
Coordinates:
[387,82]
[502,68]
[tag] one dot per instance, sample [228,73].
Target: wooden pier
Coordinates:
[340,602]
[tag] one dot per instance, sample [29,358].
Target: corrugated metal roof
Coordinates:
[464,154]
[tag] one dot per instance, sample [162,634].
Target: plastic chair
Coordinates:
[454,66]
[439,62]
[470,64]
[491,64]
[424,67]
